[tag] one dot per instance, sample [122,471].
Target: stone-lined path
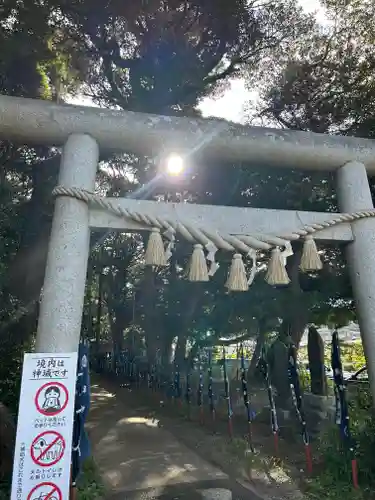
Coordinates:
[138,460]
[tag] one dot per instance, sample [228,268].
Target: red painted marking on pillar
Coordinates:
[250,435]
[213,417]
[309,465]
[276,442]
[230,427]
[355,473]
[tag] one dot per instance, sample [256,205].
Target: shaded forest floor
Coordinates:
[269,475]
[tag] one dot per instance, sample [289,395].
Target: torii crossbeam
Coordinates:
[83,131]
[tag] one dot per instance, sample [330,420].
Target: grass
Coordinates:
[325,486]
[90,486]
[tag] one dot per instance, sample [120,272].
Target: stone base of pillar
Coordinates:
[320,413]
[216,494]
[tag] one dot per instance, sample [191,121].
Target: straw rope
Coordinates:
[208,236]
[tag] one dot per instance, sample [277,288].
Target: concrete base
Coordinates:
[320,411]
[216,494]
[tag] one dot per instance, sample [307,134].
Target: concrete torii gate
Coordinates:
[82,131]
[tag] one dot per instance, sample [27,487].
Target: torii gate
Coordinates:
[82,131]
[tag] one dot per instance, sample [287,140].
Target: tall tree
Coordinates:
[138,57]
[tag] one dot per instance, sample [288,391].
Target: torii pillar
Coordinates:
[63,293]
[354,195]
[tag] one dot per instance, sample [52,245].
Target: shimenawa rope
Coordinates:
[211,241]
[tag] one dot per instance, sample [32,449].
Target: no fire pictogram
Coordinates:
[51,399]
[47,449]
[45,491]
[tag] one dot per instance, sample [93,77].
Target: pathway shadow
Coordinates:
[177,492]
[212,448]
[133,453]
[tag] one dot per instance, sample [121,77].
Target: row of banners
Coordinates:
[51,440]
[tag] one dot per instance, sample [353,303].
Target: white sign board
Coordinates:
[42,459]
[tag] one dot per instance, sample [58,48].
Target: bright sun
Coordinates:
[175,164]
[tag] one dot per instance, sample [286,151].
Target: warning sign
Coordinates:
[47,449]
[51,399]
[43,449]
[45,491]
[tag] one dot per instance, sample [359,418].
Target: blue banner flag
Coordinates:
[81,445]
[342,409]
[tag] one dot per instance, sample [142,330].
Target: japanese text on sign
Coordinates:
[45,424]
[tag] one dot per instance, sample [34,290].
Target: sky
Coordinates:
[231,105]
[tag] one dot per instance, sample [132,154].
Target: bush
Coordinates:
[335,481]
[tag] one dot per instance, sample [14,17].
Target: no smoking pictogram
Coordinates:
[45,491]
[51,399]
[47,448]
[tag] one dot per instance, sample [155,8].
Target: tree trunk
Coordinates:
[26,272]
[99,311]
[149,295]
[297,314]
[166,348]
[256,354]
[180,353]
[196,293]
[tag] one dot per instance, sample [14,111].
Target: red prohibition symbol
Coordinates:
[51,399]
[47,448]
[45,491]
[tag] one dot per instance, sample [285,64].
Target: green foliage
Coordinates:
[334,480]
[352,355]
[89,485]
[327,84]
[305,379]
[131,57]
[10,375]
[153,56]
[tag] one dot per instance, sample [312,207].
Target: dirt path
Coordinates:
[138,460]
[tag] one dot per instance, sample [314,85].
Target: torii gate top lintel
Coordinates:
[42,122]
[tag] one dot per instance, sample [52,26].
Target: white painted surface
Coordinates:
[45,417]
